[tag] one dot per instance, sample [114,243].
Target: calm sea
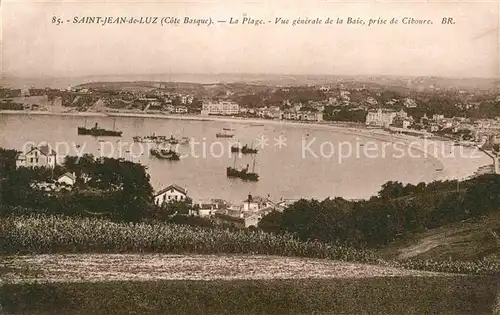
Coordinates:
[306,164]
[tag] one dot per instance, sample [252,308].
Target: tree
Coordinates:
[173,208]
[271,222]
[391,190]
[496,147]
[484,196]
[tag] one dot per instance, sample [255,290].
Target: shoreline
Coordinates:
[454,168]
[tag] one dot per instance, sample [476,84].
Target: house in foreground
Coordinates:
[173,192]
[68,179]
[42,156]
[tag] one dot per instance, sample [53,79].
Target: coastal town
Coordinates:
[249,157]
[361,107]
[462,115]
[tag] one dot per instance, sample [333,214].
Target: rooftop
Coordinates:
[173,186]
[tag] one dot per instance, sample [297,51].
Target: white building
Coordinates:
[204,208]
[272,112]
[181,109]
[302,115]
[42,156]
[67,179]
[171,193]
[437,117]
[383,117]
[220,108]
[410,103]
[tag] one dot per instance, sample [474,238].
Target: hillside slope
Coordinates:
[467,240]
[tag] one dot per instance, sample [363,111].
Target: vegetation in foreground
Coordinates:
[393,295]
[334,228]
[56,234]
[397,212]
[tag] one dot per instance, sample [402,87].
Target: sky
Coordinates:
[32,46]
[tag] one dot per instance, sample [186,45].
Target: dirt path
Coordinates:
[107,267]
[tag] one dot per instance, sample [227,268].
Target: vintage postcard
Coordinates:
[249,157]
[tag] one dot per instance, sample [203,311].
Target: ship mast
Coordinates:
[234,163]
[253,167]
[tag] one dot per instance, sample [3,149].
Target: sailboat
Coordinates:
[184,140]
[242,173]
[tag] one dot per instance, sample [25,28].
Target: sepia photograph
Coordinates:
[249,157]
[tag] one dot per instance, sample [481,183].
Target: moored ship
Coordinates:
[165,154]
[243,173]
[244,149]
[98,132]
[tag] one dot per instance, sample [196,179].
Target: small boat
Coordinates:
[163,154]
[172,140]
[224,134]
[185,140]
[439,169]
[228,129]
[153,138]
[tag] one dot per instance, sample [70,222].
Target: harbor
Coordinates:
[209,157]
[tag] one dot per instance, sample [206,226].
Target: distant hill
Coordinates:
[414,83]
[197,89]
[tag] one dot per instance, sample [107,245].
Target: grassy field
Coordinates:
[393,295]
[89,266]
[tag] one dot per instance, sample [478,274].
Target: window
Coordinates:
[36,160]
[164,197]
[31,160]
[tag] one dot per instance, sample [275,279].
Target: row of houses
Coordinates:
[155,105]
[243,215]
[246,214]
